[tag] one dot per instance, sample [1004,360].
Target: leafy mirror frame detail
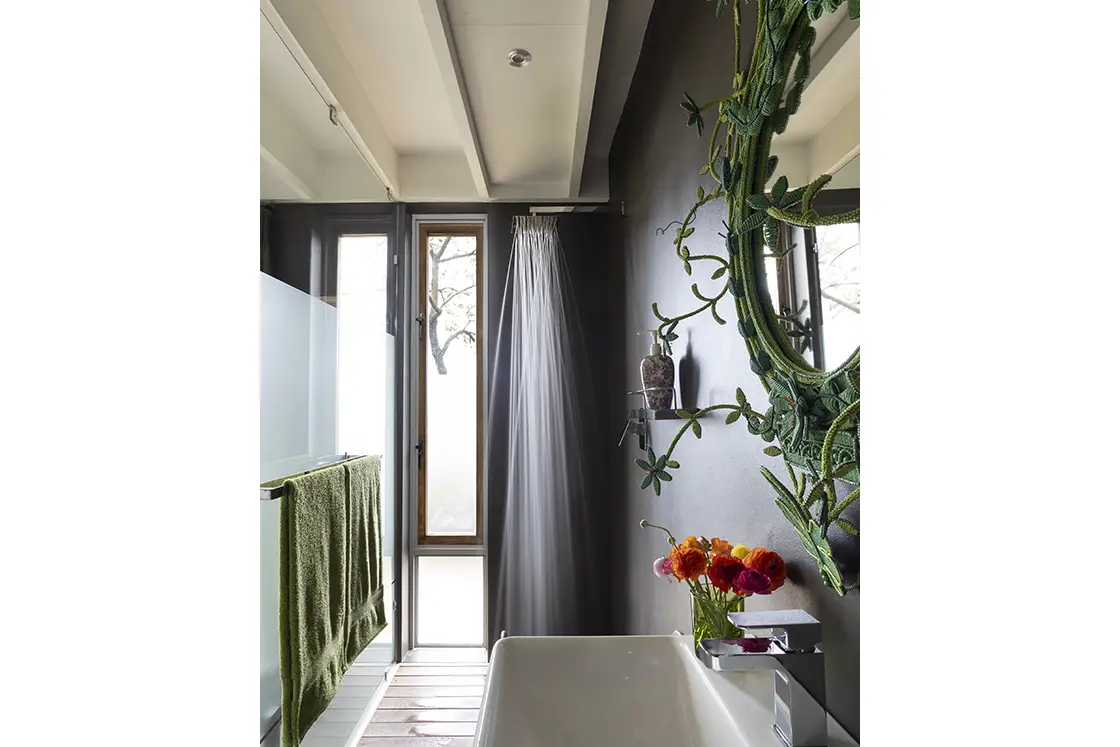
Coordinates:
[812,415]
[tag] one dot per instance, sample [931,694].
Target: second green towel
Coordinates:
[331,600]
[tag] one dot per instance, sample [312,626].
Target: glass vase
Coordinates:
[709,614]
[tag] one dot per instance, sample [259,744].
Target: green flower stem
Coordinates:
[838,425]
[688,423]
[812,218]
[712,257]
[851,498]
[666,321]
[713,149]
[645,524]
[738,22]
[715,195]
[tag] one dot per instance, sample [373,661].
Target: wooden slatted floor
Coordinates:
[433,700]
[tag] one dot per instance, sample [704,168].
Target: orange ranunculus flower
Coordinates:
[767,562]
[688,563]
[723,570]
[720,547]
[692,542]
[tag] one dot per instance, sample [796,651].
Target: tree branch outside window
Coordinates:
[451,297]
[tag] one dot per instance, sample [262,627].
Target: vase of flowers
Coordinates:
[719,577]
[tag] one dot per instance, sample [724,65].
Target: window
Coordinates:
[450,379]
[838,262]
[449,601]
[813,281]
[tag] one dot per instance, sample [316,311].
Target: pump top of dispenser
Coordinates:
[655,347]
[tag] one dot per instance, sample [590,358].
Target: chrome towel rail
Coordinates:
[271,494]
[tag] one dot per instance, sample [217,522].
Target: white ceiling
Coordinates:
[304,156]
[824,135]
[287,96]
[387,46]
[429,109]
[429,101]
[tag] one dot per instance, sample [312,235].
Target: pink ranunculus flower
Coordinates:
[663,567]
[751,581]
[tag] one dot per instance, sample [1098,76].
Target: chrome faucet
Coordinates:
[790,650]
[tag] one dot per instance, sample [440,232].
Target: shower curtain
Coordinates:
[546,580]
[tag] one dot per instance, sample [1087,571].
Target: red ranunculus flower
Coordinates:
[723,570]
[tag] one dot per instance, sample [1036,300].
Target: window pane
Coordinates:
[451,379]
[839,263]
[364,425]
[361,344]
[449,601]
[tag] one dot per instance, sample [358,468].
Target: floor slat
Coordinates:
[429,715]
[433,700]
[416,742]
[445,680]
[441,703]
[436,670]
[407,729]
[431,691]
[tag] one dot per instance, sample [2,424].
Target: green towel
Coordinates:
[330,594]
[367,605]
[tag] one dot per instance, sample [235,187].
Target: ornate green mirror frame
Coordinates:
[812,415]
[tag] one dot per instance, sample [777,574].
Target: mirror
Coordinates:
[813,278]
[788,172]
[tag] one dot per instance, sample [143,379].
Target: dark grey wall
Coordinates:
[718,491]
[586,239]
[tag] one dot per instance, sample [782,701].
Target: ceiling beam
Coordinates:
[828,49]
[592,48]
[837,143]
[303,29]
[287,154]
[447,61]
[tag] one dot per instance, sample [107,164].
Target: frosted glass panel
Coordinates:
[362,342]
[365,365]
[297,415]
[299,338]
[449,601]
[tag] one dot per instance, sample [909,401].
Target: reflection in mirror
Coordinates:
[839,269]
[813,278]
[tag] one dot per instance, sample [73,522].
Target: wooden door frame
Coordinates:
[424,232]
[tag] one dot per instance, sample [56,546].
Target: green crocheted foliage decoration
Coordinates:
[811,418]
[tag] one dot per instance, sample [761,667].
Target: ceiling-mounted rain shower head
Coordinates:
[519,57]
[585,207]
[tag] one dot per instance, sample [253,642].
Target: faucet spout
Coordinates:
[800,719]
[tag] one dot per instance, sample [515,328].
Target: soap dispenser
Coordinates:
[658,374]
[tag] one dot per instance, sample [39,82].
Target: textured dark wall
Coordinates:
[718,491]
[586,238]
